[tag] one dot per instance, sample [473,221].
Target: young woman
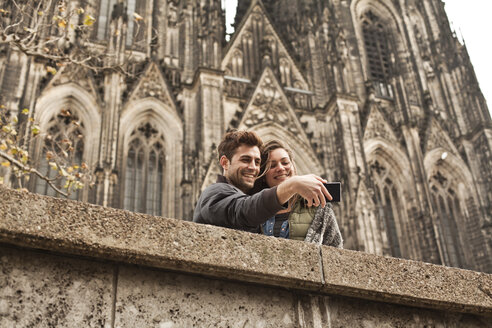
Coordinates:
[298,221]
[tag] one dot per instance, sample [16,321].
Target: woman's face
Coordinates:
[280,167]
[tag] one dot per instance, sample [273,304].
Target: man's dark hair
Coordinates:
[234,139]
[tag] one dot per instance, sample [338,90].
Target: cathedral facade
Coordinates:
[377,94]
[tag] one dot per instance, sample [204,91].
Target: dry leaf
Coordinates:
[63,172]
[62,23]
[35,130]
[51,70]
[89,20]
[137,17]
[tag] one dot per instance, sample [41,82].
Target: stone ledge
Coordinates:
[406,282]
[69,227]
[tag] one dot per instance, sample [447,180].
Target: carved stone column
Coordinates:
[211,111]
[114,85]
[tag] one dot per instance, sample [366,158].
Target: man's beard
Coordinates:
[237,180]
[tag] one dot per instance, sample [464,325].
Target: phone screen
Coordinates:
[334,188]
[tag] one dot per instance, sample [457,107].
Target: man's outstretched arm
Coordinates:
[310,187]
[225,206]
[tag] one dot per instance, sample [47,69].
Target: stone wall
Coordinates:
[71,264]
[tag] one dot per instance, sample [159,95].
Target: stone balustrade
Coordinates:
[72,264]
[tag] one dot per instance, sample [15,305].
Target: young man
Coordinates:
[226,204]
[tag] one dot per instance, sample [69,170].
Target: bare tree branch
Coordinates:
[29,169]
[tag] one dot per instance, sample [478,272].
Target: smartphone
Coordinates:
[334,188]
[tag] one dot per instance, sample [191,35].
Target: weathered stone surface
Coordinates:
[160,299]
[41,290]
[407,282]
[349,312]
[85,229]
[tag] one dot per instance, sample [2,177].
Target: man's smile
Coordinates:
[249,175]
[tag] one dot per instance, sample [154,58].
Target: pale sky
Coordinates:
[469,18]
[230,8]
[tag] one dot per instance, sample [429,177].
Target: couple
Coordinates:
[259,190]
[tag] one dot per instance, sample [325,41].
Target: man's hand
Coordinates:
[310,187]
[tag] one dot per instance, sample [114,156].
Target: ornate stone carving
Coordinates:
[152,85]
[429,70]
[378,128]
[484,156]
[75,74]
[268,45]
[172,14]
[437,138]
[235,89]
[378,168]
[269,105]
[441,179]
[211,83]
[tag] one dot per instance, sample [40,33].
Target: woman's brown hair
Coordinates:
[268,147]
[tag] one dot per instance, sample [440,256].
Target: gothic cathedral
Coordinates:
[377,94]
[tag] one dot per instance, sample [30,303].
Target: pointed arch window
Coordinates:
[447,204]
[65,137]
[144,169]
[389,206]
[378,54]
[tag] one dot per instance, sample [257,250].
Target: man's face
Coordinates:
[243,168]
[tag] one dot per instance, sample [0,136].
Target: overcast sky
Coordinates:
[469,18]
